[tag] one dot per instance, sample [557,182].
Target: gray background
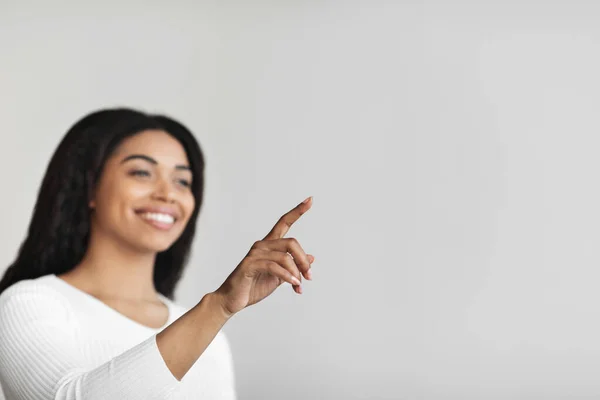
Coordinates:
[451,147]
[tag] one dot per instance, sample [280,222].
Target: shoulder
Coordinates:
[43,286]
[33,297]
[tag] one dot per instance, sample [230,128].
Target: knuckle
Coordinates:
[279,257]
[292,262]
[256,244]
[272,266]
[286,258]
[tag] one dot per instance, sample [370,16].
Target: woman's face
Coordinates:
[143,198]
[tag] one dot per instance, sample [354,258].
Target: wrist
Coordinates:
[217,305]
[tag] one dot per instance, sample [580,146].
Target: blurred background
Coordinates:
[451,149]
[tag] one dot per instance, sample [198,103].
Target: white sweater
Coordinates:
[58,342]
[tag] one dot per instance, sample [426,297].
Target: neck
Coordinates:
[113,270]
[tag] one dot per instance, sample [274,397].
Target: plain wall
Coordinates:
[451,149]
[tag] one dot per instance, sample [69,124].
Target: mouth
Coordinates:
[163,220]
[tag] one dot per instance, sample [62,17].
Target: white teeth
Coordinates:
[164,218]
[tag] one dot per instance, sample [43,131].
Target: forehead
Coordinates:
[157,144]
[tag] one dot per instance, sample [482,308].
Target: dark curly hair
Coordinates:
[59,230]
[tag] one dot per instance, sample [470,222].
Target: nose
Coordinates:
[164,191]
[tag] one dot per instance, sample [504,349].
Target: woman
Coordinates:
[86,309]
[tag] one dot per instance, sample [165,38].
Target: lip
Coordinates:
[159,210]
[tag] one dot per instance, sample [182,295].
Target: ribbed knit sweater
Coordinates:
[58,342]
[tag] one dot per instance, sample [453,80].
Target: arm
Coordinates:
[182,342]
[40,355]
[40,352]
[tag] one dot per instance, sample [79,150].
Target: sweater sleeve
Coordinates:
[41,358]
[228,370]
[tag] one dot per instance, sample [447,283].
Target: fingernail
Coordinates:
[306,201]
[296,281]
[309,275]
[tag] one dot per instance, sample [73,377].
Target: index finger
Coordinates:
[285,222]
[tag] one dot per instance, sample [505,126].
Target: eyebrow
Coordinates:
[152,161]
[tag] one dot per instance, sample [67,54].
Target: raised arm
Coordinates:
[40,353]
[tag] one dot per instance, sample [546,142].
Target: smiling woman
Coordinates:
[87,307]
[93,283]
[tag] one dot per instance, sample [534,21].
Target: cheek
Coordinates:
[188,203]
[119,198]
[130,190]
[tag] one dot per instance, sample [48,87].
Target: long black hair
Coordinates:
[59,230]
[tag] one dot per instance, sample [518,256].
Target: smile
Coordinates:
[158,220]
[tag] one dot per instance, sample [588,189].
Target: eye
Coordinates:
[184,182]
[139,172]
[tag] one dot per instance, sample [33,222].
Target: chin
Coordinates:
[155,242]
[153,246]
